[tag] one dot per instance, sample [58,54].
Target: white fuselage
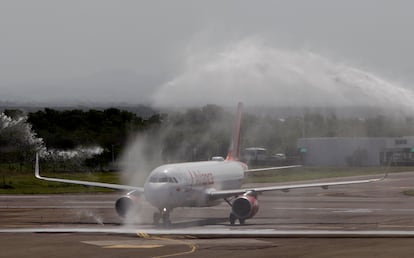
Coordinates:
[188,184]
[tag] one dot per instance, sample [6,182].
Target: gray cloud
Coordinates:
[138,51]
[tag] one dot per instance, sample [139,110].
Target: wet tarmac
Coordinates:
[348,221]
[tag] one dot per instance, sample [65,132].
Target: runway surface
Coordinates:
[359,221]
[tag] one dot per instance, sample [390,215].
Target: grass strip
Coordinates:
[26,183]
[18,183]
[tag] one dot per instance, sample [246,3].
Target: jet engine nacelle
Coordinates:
[131,202]
[246,206]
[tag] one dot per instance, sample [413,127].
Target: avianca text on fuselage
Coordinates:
[201,178]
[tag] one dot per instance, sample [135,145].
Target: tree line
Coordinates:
[89,137]
[100,136]
[71,128]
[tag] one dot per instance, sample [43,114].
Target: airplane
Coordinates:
[200,184]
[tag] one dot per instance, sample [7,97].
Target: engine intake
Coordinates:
[126,204]
[246,206]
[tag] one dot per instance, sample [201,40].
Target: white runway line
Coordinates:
[345,210]
[54,207]
[222,232]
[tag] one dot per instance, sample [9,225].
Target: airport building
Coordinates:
[261,156]
[357,151]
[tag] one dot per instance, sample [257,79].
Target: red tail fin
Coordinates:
[234,152]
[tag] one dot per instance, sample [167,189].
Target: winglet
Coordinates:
[234,152]
[37,174]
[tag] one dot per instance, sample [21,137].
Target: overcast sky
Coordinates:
[198,52]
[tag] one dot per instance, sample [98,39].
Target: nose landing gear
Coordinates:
[163,214]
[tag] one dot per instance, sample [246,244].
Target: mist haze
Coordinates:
[184,53]
[175,55]
[258,74]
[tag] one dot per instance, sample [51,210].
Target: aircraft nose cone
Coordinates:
[157,194]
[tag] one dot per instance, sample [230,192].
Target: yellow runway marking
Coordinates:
[192,246]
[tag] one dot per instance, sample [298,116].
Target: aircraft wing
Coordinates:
[215,194]
[85,183]
[271,168]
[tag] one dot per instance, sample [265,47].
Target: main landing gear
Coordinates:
[233,219]
[163,214]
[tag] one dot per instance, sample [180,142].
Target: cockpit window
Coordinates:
[163,179]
